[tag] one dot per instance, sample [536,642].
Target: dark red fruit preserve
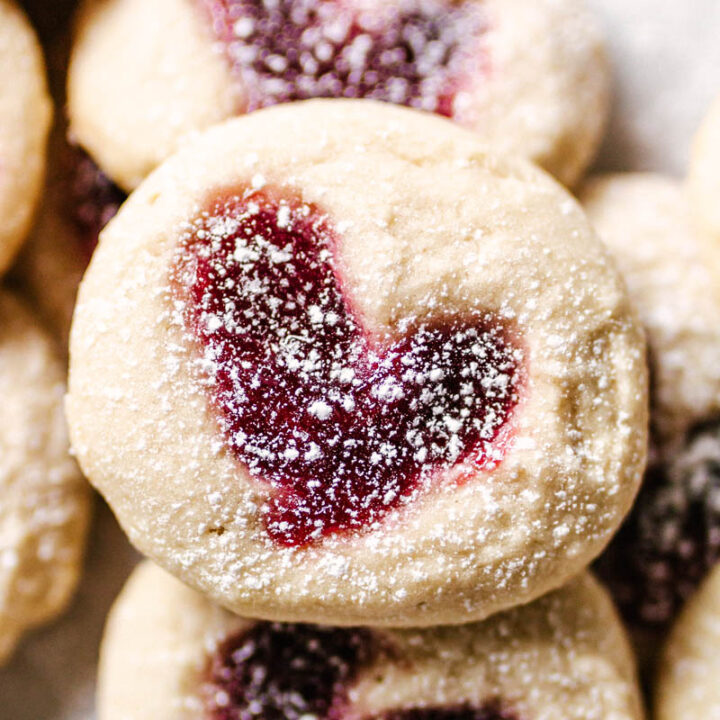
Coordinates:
[94,199]
[671,539]
[344,427]
[418,53]
[287,672]
[277,671]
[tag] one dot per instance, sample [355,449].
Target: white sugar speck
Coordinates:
[320,409]
[213,323]
[283,216]
[244,27]
[290,453]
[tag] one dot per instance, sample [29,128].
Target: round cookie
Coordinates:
[44,502]
[530,76]
[645,222]
[704,175]
[25,112]
[672,536]
[687,682]
[79,200]
[169,654]
[379,377]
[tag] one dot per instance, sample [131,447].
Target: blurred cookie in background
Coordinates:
[44,501]
[529,76]
[25,116]
[169,654]
[687,683]
[672,537]
[704,176]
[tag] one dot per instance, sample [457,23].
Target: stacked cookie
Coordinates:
[361,378]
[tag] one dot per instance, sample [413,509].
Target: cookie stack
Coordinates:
[361,378]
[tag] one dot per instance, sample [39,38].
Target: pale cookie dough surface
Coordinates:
[562,656]
[43,499]
[645,222]
[687,685]
[704,176]
[543,91]
[429,224]
[25,111]
[132,103]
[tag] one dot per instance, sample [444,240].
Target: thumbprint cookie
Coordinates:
[44,502]
[687,683]
[529,76]
[25,112]
[377,377]
[704,176]
[672,537]
[169,654]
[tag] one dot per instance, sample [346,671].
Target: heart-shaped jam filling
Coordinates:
[343,425]
[419,53]
[276,671]
[671,539]
[94,199]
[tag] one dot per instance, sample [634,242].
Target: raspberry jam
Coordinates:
[672,537]
[94,200]
[287,672]
[276,671]
[343,427]
[419,53]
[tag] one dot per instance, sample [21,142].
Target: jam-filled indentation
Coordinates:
[419,53]
[278,671]
[343,426]
[93,199]
[671,539]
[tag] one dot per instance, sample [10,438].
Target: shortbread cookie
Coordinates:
[687,685]
[377,377]
[704,176]
[43,499]
[78,202]
[169,654]
[673,535]
[25,111]
[530,76]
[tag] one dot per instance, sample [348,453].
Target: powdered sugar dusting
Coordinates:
[344,426]
[417,53]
